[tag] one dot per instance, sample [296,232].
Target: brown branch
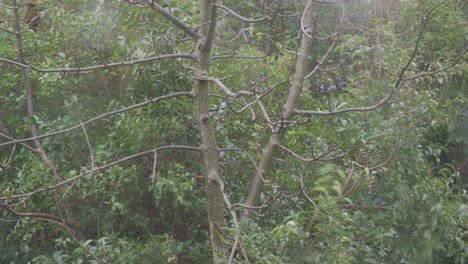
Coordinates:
[207,43]
[303,28]
[72,179]
[241,31]
[122,110]
[397,83]
[258,98]
[253,162]
[31,214]
[244,19]
[232,56]
[329,1]
[225,89]
[8,31]
[21,143]
[390,156]
[176,21]
[351,109]
[7,164]
[319,157]
[439,70]
[339,27]
[101,66]
[236,224]
[8,7]
[416,46]
[352,206]
[324,57]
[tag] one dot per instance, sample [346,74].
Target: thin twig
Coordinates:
[101,66]
[244,19]
[438,70]
[122,110]
[72,179]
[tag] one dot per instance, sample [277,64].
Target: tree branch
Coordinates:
[351,109]
[416,46]
[244,19]
[8,31]
[176,21]
[232,56]
[101,66]
[439,70]
[31,214]
[72,179]
[122,110]
[8,7]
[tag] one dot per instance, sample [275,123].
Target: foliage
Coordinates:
[394,193]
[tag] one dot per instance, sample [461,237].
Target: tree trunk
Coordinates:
[214,195]
[292,102]
[69,216]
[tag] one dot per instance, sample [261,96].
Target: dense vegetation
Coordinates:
[261,131]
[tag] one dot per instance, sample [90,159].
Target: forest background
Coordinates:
[266,131]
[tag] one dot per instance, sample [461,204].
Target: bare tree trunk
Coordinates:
[69,216]
[214,195]
[257,184]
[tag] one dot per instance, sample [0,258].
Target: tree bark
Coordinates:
[256,187]
[214,195]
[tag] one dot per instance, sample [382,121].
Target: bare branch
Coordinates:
[339,27]
[7,164]
[8,31]
[397,83]
[176,21]
[21,143]
[352,206]
[244,19]
[8,7]
[439,70]
[207,43]
[255,166]
[241,31]
[258,98]
[314,158]
[303,27]
[324,57]
[265,113]
[102,66]
[122,110]
[351,109]
[232,56]
[236,224]
[32,215]
[329,1]
[72,179]
[416,46]
[226,90]
[91,156]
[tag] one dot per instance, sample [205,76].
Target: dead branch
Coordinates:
[122,110]
[244,19]
[101,66]
[87,173]
[176,21]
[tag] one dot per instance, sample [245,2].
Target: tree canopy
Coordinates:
[265,131]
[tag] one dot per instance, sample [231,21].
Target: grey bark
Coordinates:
[288,111]
[209,147]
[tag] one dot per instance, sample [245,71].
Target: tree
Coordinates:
[205,96]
